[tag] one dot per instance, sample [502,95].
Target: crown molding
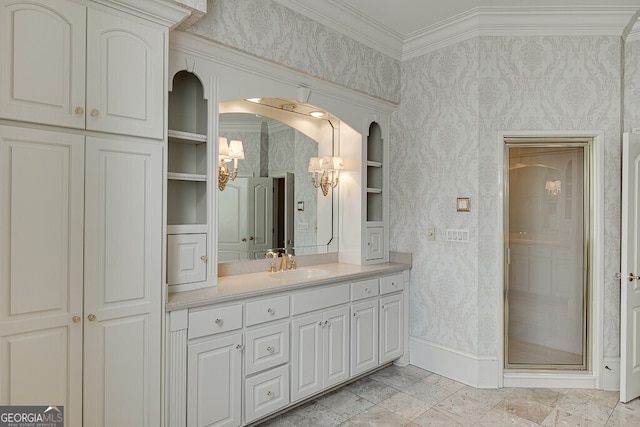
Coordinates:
[514,22]
[164,12]
[481,21]
[348,21]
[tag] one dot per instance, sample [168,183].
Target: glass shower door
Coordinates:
[546,285]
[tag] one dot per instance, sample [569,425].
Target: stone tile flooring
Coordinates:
[409,396]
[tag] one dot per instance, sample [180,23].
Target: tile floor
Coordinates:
[409,396]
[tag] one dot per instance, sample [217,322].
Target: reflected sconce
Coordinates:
[553,188]
[227,152]
[325,172]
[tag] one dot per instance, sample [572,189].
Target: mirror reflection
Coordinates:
[272,203]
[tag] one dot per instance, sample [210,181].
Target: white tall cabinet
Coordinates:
[81,207]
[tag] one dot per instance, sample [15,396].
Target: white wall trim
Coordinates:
[550,380]
[481,21]
[519,21]
[611,374]
[594,378]
[467,368]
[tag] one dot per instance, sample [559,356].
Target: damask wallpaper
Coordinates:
[273,32]
[444,143]
[454,103]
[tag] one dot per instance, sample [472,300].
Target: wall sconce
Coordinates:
[553,188]
[226,153]
[325,172]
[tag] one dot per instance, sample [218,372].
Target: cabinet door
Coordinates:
[42,58]
[125,68]
[375,243]
[335,346]
[214,380]
[41,229]
[364,336]
[306,370]
[391,328]
[186,258]
[123,286]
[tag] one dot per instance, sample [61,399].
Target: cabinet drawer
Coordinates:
[317,299]
[266,393]
[391,284]
[214,320]
[364,289]
[266,347]
[267,310]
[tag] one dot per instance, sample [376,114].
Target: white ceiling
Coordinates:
[391,24]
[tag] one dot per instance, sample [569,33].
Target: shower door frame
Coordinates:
[594,375]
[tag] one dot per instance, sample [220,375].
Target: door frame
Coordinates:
[592,378]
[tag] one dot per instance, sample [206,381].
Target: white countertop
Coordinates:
[231,288]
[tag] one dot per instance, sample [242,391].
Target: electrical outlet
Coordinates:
[431,233]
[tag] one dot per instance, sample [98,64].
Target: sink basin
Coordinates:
[303,273]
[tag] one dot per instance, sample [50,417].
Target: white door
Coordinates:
[364,336]
[125,83]
[260,215]
[391,328]
[335,347]
[306,359]
[42,62]
[214,381]
[233,234]
[41,232]
[630,264]
[289,211]
[123,284]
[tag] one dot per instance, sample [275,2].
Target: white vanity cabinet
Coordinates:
[122,89]
[251,357]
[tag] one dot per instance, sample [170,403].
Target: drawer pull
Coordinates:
[219,322]
[367,290]
[91,317]
[384,307]
[393,284]
[320,323]
[271,311]
[326,322]
[270,393]
[271,349]
[94,113]
[239,347]
[355,314]
[203,258]
[79,110]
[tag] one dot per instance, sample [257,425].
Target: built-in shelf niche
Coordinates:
[375,174]
[187,156]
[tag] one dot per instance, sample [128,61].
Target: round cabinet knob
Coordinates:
[79,110]
[271,311]
[94,113]
[239,347]
[219,322]
[355,314]
[326,322]
[367,290]
[91,317]
[394,284]
[384,307]
[270,393]
[76,319]
[244,239]
[271,349]
[203,258]
[251,238]
[320,323]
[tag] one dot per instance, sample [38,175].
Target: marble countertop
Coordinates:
[241,286]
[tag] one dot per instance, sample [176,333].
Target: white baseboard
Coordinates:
[549,380]
[611,374]
[479,372]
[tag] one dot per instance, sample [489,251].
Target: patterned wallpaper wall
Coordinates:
[445,132]
[444,143]
[273,32]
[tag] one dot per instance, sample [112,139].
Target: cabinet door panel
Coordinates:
[364,337]
[306,375]
[123,238]
[214,382]
[336,346]
[42,53]
[125,86]
[41,256]
[391,328]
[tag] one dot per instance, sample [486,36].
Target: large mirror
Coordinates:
[272,203]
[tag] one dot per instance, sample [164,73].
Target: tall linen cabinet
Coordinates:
[81,208]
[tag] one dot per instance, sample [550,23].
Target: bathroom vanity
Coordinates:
[261,342]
